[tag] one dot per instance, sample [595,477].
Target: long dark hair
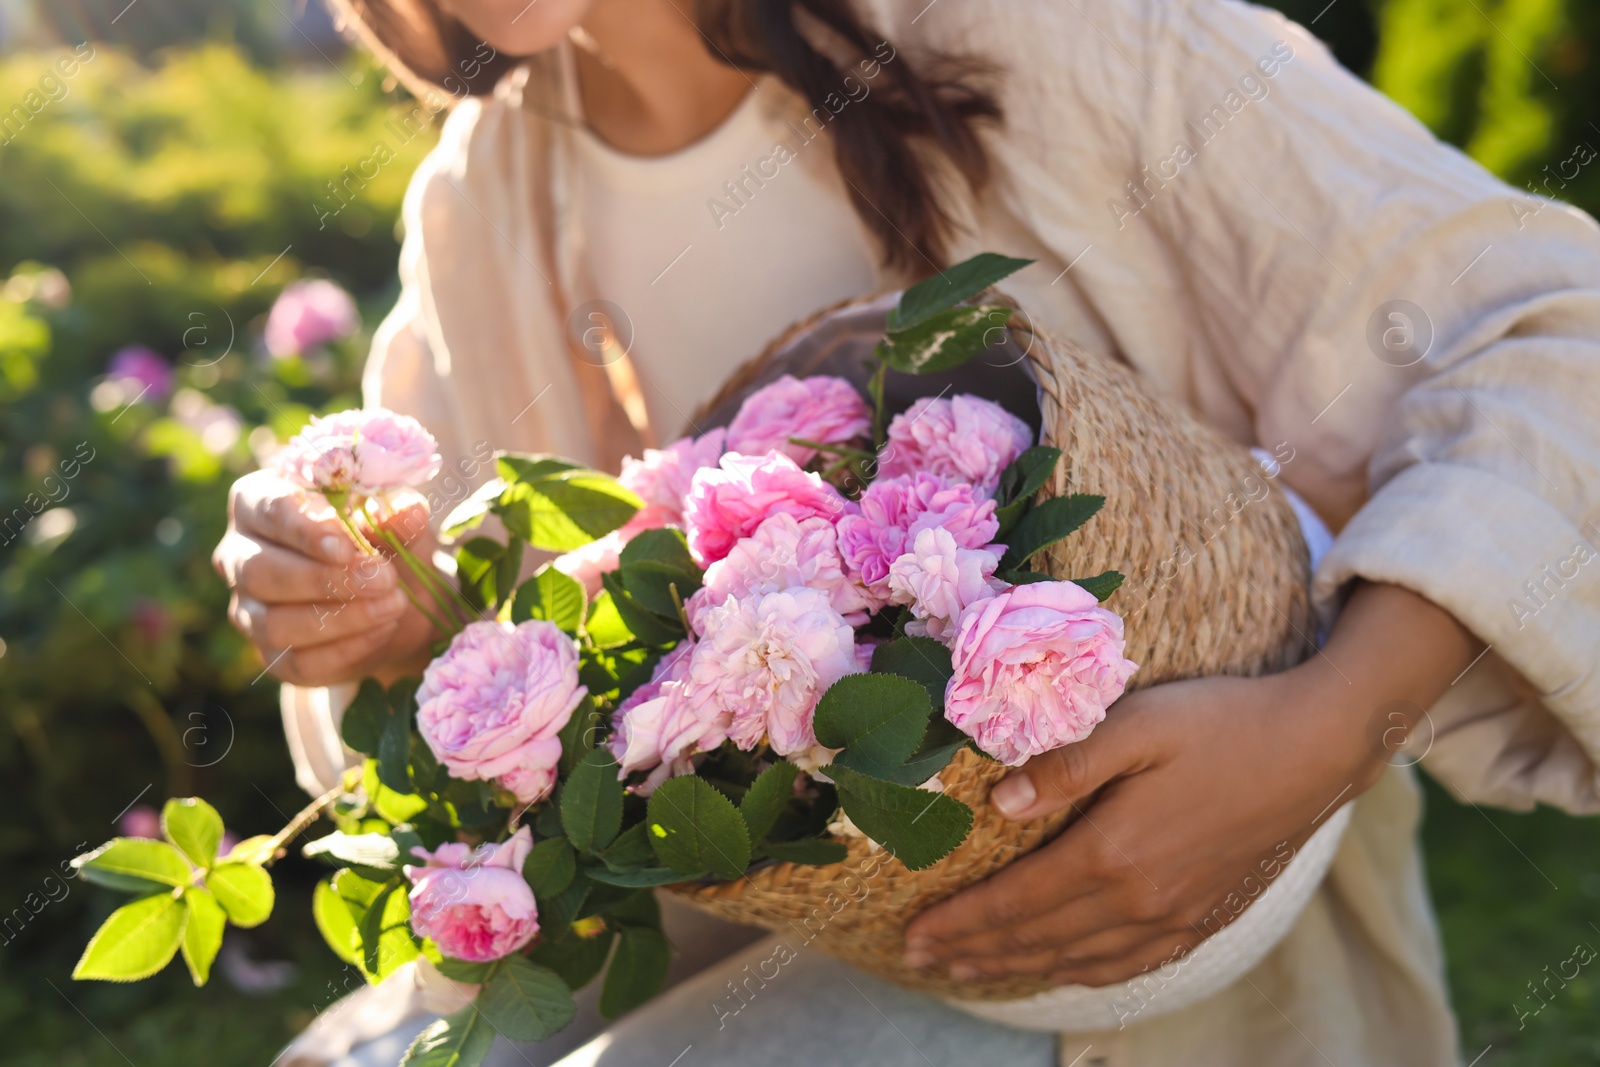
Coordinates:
[916,111]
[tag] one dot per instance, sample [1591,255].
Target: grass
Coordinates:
[1515,894]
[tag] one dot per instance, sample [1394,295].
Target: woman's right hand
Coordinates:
[318,610]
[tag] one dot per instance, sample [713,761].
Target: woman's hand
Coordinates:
[318,610]
[1193,796]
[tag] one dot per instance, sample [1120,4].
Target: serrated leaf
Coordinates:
[631,850]
[666,545]
[524,1001]
[459,1040]
[552,596]
[333,920]
[640,878]
[1101,585]
[917,827]
[194,827]
[637,971]
[394,754]
[766,798]
[365,718]
[604,625]
[470,972]
[136,941]
[567,511]
[472,511]
[645,624]
[938,748]
[948,288]
[878,719]
[576,959]
[651,584]
[532,466]
[386,941]
[922,659]
[579,735]
[202,932]
[1048,522]
[813,851]
[695,829]
[591,802]
[945,340]
[134,864]
[374,856]
[550,866]
[559,910]
[245,892]
[1019,482]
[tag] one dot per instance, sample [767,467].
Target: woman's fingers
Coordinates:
[317,623]
[268,508]
[1072,773]
[332,663]
[277,575]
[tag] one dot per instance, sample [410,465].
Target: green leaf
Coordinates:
[591,802]
[575,958]
[386,941]
[394,754]
[244,891]
[202,933]
[374,856]
[636,879]
[695,829]
[1101,585]
[550,866]
[136,941]
[878,719]
[357,892]
[459,1040]
[645,624]
[552,596]
[766,798]
[568,510]
[471,511]
[666,545]
[945,340]
[532,466]
[1026,577]
[558,911]
[637,971]
[651,583]
[134,864]
[922,659]
[468,971]
[939,746]
[812,851]
[524,1001]
[365,718]
[631,850]
[605,626]
[1019,482]
[951,286]
[195,827]
[579,734]
[639,908]
[1048,522]
[917,827]
[333,919]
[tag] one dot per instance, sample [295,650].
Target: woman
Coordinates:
[621,209]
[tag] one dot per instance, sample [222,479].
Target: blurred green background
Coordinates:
[155,205]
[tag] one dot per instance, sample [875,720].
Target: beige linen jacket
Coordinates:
[1271,243]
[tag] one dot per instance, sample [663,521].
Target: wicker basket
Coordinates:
[1214,586]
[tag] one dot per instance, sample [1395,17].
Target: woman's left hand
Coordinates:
[1192,797]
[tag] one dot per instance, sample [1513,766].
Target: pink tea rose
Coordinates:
[369,451]
[730,500]
[491,708]
[145,369]
[765,661]
[826,410]
[878,529]
[587,563]
[1035,669]
[940,580]
[661,479]
[307,314]
[782,553]
[474,903]
[658,730]
[964,438]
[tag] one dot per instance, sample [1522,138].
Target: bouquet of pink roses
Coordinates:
[750,643]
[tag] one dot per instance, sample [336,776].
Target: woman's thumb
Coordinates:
[1064,776]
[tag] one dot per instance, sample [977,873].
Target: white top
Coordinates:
[703,250]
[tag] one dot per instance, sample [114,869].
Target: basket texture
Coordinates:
[1216,583]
